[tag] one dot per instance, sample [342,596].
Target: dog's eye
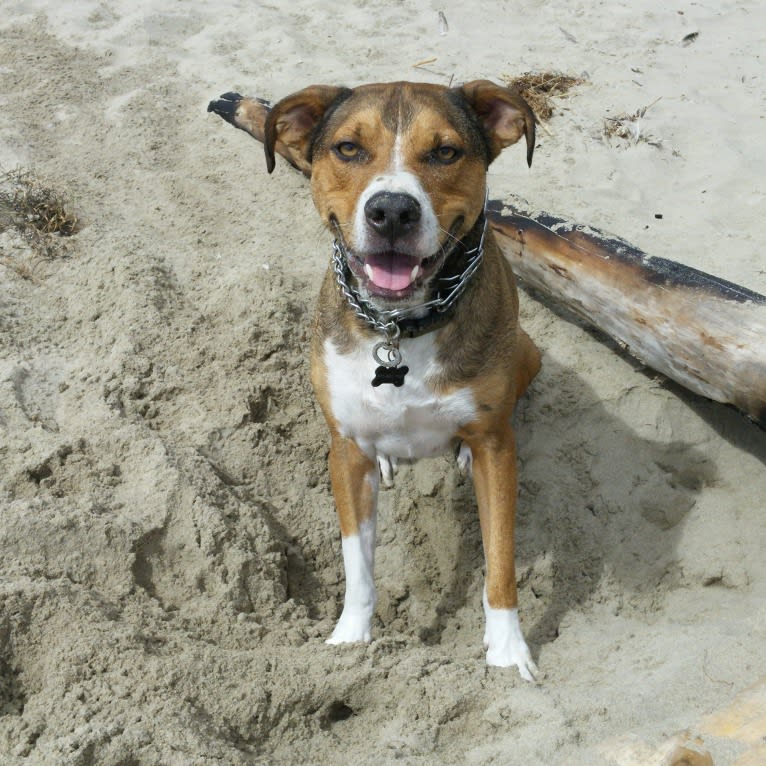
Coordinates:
[347,150]
[445,154]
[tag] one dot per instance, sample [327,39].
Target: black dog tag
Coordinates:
[392,375]
[388,356]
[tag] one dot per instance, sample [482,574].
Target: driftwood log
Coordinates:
[703,332]
[707,334]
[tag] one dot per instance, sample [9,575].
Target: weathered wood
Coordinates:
[707,334]
[703,332]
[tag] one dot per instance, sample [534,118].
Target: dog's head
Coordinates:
[398,170]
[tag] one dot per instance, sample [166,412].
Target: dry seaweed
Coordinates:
[539,89]
[40,214]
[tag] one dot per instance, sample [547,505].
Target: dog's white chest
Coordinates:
[410,421]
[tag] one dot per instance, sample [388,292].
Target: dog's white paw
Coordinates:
[464,459]
[505,643]
[510,654]
[388,469]
[351,628]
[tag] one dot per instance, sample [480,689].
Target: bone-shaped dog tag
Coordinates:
[392,375]
[389,370]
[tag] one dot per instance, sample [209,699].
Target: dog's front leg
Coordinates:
[494,475]
[354,478]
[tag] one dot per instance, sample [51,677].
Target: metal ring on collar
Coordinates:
[394,356]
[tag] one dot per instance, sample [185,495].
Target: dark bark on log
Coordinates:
[707,334]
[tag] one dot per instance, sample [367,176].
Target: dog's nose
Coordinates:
[392,214]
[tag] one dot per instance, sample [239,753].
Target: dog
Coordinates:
[416,344]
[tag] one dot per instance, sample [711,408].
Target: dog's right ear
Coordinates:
[292,122]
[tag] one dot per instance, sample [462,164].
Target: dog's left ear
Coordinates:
[292,122]
[505,115]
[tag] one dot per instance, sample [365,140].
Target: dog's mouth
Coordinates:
[397,275]
[391,274]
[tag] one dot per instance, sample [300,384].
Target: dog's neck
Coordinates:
[447,287]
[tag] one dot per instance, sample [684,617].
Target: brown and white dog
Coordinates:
[416,342]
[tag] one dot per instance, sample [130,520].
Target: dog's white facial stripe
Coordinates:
[425,241]
[397,156]
[359,566]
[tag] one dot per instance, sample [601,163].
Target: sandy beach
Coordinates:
[169,554]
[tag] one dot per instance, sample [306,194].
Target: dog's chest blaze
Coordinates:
[411,421]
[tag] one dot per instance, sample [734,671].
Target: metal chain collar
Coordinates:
[386,321]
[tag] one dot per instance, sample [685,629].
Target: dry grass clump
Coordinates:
[539,88]
[39,214]
[630,127]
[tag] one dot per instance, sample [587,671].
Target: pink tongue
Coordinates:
[391,271]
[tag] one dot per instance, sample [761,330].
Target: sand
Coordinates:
[169,555]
